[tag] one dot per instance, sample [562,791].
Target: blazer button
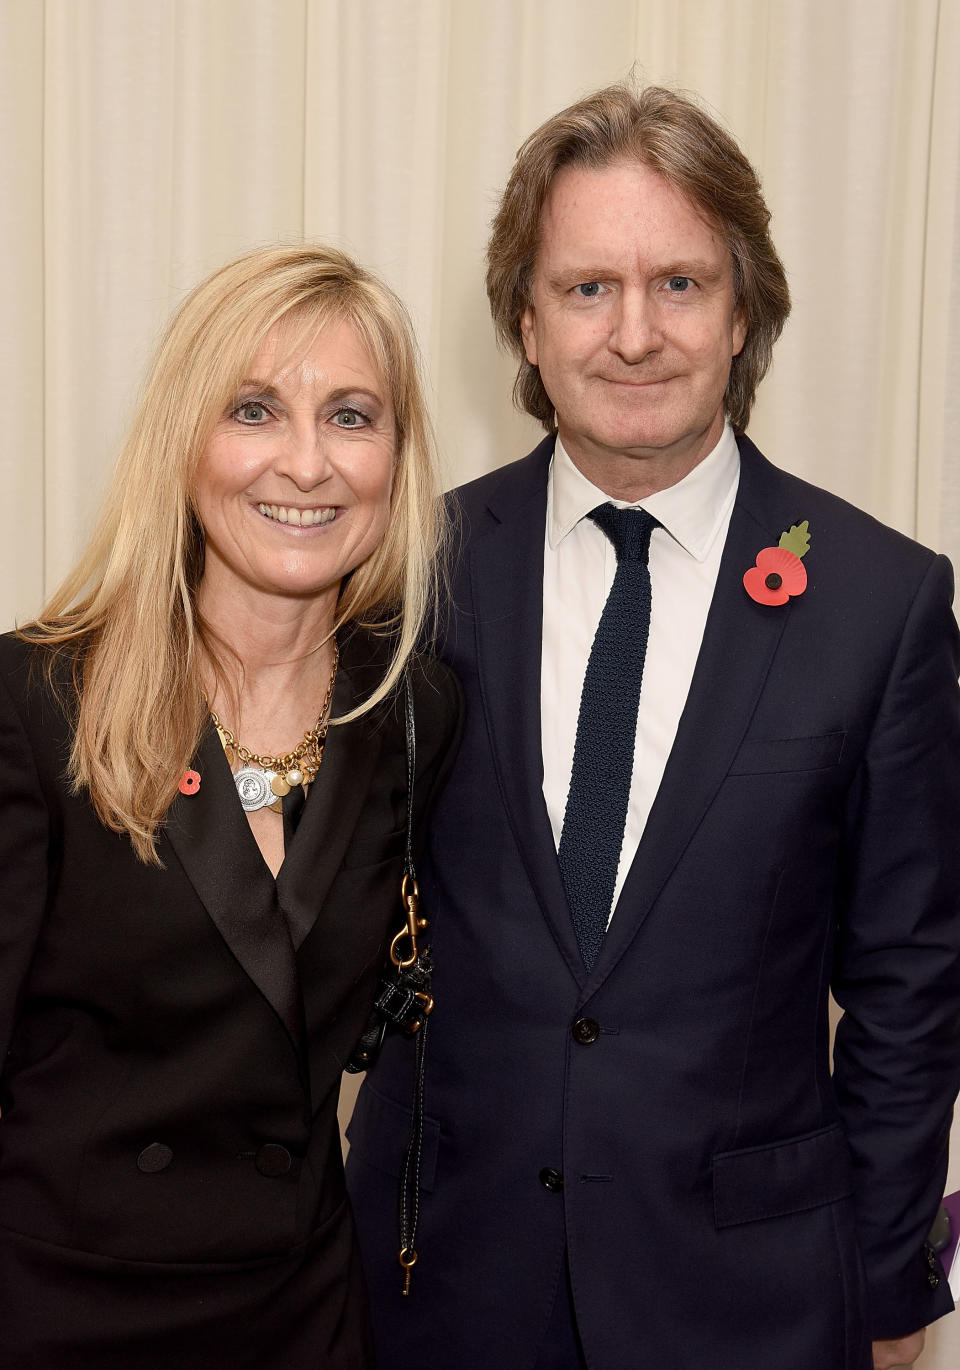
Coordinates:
[273,1160]
[551,1179]
[154,1158]
[585,1031]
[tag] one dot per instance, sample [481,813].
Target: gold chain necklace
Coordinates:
[262,781]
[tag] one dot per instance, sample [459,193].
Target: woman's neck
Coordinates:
[267,665]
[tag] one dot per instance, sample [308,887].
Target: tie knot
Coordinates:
[628,529]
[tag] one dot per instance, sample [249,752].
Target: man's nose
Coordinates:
[636,329]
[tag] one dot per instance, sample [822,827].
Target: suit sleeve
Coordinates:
[897,965]
[24,842]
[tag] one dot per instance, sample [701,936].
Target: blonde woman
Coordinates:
[202,825]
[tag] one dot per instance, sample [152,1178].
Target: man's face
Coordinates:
[632,325]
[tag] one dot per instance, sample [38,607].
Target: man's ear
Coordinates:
[739,332]
[528,333]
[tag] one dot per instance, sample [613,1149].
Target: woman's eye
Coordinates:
[588,290]
[679,284]
[350,418]
[251,411]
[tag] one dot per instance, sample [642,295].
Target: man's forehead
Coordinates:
[625,206]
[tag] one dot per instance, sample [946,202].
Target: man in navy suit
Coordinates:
[711,770]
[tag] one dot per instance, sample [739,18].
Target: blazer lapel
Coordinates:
[506,570]
[210,835]
[330,814]
[739,643]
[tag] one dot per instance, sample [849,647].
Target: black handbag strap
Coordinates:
[411,770]
[409,1207]
[404,1004]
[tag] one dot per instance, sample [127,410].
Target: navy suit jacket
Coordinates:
[726,1200]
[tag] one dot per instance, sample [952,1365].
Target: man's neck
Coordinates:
[635,474]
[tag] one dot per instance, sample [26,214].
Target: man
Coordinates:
[711,769]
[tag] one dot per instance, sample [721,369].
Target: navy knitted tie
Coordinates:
[596,811]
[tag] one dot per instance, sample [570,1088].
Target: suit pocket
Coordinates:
[766,757]
[380,1130]
[789,1176]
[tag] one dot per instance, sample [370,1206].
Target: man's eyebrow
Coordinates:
[579,275]
[697,268]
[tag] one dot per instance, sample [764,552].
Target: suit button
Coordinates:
[154,1158]
[551,1179]
[273,1160]
[585,1031]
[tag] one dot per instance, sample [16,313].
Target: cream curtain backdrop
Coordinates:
[146,141]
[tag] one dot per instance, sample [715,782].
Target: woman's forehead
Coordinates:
[306,348]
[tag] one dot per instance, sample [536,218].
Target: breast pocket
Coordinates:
[768,756]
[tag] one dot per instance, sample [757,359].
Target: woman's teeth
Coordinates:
[300,518]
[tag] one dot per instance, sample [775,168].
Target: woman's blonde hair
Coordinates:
[128,611]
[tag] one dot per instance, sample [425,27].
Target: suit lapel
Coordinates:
[739,643]
[506,572]
[330,815]
[263,921]
[212,839]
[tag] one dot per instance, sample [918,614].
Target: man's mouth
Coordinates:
[637,382]
[298,518]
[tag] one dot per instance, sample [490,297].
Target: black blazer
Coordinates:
[171,1187]
[724,1200]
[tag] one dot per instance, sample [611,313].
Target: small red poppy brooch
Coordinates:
[779,573]
[190,783]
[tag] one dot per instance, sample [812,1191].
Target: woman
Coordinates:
[198,879]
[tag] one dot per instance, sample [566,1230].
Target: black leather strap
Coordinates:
[404,1003]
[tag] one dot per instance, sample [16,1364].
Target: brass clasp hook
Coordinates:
[410,894]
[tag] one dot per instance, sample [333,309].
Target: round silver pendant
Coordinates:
[253,787]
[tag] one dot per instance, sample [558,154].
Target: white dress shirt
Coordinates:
[579,564]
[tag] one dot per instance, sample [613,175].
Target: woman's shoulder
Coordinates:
[367,655]
[438,712]
[35,675]
[437,700]
[435,686]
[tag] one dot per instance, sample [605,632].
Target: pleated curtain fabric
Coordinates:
[146,141]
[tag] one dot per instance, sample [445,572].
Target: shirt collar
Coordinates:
[693,511]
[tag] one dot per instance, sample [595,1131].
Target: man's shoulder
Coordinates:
[502,487]
[840,531]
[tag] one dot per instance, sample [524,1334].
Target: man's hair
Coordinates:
[675,138]
[128,612]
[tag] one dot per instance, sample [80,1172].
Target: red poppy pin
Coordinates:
[189,783]
[779,573]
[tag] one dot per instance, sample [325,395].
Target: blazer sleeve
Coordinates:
[24,851]
[897,965]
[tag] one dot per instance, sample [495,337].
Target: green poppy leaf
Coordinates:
[797,540]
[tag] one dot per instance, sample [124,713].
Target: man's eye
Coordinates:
[350,418]
[251,411]
[680,283]
[588,290]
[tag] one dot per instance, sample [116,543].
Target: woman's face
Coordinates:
[293,488]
